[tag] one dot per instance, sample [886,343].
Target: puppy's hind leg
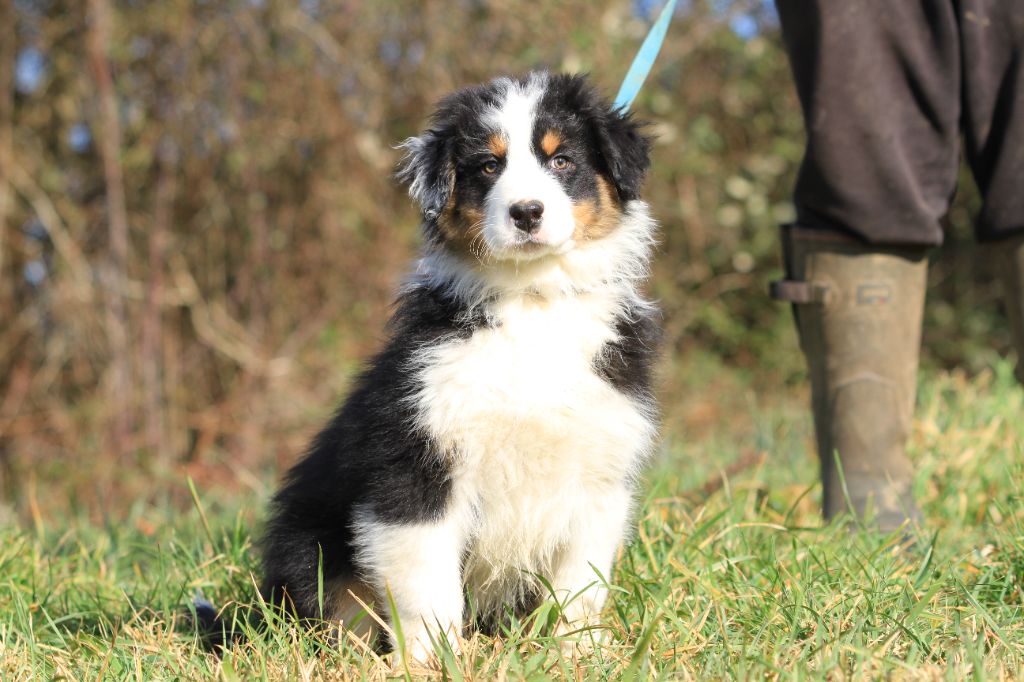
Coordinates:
[348,602]
[418,567]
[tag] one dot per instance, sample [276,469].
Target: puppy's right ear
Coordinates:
[428,169]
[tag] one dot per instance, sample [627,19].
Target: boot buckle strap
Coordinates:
[797,292]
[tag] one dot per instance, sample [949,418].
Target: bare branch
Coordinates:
[114,273]
[6,118]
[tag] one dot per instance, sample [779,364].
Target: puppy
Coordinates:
[497,438]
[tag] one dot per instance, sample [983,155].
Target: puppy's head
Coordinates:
[522,169]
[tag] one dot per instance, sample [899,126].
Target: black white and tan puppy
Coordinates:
[499,434]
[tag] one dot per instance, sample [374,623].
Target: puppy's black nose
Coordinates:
[526,214]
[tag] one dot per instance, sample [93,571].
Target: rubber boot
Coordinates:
[1011,266]
[858,312]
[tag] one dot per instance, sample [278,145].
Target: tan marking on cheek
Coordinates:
[498,145]
[584,214]
[461,228]
[550,142]
[597,218]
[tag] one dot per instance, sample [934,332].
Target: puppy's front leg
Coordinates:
[419,565]
[595,539]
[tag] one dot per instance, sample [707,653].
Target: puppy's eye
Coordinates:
[490,167]
[560,162]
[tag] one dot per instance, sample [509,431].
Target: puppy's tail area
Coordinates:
[218,631]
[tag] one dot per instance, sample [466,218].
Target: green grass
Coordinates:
[735,582]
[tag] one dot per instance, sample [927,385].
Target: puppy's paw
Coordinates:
[581,638]
[420,651]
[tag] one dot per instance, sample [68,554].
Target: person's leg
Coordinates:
[879,87]
[992,34]
[858,312]
[1010,254]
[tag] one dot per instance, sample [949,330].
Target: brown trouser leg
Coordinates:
[887,88]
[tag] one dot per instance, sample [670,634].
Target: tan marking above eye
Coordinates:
[498,145]
[550,143]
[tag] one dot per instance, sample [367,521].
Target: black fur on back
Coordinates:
[369,453]
[628,363]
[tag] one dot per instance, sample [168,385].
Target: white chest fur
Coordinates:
[535,435]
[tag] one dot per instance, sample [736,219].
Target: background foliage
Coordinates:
[200,234]
[199,240]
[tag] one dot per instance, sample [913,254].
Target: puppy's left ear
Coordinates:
[429,169]
[626,151]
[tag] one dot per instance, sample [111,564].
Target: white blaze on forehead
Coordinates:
[524,177]
[514,120]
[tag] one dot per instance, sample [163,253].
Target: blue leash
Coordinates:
[644,59]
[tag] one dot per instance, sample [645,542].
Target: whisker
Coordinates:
[477,242]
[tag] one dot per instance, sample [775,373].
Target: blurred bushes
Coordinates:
[252,143]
